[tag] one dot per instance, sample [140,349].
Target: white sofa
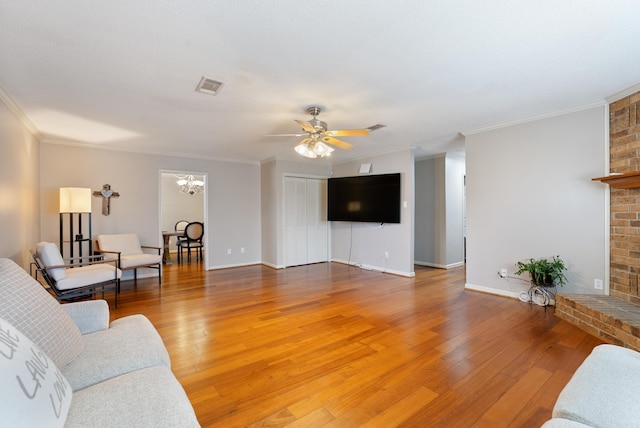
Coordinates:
[104,375]
[603,392]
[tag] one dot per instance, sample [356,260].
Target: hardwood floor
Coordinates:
[328,345]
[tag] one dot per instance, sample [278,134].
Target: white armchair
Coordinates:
[125,248]
[78,277]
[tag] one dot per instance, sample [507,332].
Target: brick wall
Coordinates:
[624,123]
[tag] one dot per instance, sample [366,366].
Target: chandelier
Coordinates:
[312,148]
[188,184]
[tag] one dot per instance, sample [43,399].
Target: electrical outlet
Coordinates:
[228,250]
[503,273]
[386,254]
[242,250]
[597,284]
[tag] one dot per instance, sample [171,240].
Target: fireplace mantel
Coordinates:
[627,180]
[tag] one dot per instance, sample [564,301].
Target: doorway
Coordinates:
[178,202]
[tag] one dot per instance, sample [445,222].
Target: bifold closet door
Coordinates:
[317,226]
[295,221]
[305,225]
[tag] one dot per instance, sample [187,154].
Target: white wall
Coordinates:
[454,203]
[430,209]
[530,194]
[365,243]
[233,194]
[269,213]
[19,189]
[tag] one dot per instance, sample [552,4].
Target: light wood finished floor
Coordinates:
[328,345]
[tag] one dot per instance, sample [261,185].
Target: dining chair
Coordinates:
[193,239]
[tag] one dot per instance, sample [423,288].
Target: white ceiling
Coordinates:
[121,73]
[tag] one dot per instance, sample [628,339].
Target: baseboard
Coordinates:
[272,266]
[439,266]
[363,267]
[487,290]
[233,265]
[376,268]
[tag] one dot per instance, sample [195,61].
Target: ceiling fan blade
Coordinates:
[306,126]
[338,143]
[286,135]
[347,133]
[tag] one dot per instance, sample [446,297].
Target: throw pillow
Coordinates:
[34,393]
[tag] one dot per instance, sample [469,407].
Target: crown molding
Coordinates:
[602,103]
[410,148]
[430,157]
[146,152]
[16,110]
[624,93]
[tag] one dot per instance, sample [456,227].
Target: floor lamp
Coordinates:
[75,204]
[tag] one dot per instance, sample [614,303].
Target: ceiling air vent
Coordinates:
[208,86]
[374,127]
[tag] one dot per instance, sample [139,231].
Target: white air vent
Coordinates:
[208,86]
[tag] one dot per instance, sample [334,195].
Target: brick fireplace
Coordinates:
[624,148]
[616,318]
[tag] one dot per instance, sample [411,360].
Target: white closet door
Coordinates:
[305,223]
[317,226]
[295,221]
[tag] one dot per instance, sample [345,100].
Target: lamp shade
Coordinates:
[75,200]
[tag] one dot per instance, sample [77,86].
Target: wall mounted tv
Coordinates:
[365,198]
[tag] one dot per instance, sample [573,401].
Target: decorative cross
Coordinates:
[106,193]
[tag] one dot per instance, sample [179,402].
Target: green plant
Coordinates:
[544,271]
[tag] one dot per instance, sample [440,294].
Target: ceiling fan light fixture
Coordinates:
[304,150]
[320,140]
[322,150]
[313,149]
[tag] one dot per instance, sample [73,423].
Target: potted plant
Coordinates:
[543,271]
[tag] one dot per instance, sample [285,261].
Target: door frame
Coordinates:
[205,207]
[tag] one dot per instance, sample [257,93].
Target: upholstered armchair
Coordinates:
[77,277]
[125,248]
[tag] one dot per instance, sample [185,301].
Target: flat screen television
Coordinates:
[365,198]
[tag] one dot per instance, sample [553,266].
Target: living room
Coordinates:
[529,188]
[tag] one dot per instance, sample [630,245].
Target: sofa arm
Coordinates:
[90,316]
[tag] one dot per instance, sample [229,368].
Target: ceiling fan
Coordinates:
[317,135]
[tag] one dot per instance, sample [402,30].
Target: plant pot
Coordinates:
[548,282]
